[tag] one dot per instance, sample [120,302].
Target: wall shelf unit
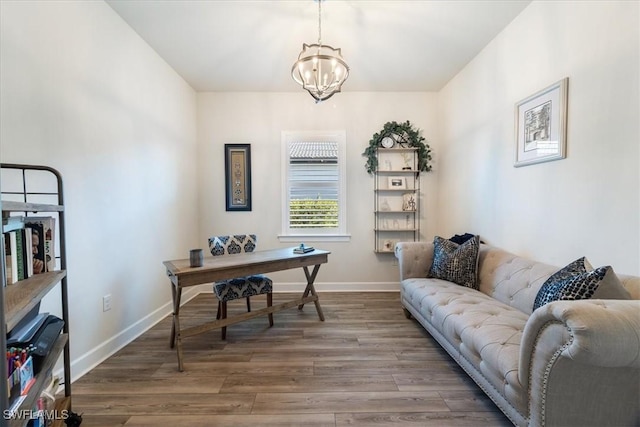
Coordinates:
[29,190]
[396,198]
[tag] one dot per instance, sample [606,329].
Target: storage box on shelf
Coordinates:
[397,198]
[19,298]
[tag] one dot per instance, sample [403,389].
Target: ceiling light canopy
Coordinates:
[320,69]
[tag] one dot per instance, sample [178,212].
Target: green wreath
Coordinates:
[406,136]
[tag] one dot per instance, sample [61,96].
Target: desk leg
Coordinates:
[172,338]
[310,288]
[176,339]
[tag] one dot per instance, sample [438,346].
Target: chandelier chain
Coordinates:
[320,22]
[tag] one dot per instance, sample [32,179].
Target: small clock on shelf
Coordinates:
[387,142]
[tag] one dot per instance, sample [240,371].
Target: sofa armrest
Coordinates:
[414,259]
[582,351]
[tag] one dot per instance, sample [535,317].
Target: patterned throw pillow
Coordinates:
[579,280]
[456,263]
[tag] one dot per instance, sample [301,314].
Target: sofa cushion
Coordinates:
[511,279]
[456,263]
[577,281]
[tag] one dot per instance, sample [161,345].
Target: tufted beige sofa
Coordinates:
[569,363]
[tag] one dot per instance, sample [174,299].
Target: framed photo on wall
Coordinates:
[541,125]
[237,172]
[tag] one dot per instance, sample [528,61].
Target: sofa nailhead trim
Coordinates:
[547,371]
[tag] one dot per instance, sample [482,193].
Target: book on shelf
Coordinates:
[46,247]
[11,259]
[28,251]
[20,255]
[12,223]
[37,253]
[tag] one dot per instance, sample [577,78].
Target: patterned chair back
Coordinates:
[235,244]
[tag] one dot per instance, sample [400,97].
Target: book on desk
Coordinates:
[303,249]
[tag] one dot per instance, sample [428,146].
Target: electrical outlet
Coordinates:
[106,302]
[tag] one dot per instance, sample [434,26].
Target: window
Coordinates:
[314,202]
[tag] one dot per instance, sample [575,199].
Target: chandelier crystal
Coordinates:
[320,69]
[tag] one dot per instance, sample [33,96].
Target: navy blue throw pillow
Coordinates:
[456,263]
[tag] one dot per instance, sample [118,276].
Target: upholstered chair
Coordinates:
[239,287]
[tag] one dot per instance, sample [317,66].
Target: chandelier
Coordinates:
[320,69]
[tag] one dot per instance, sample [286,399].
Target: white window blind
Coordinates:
[314,188]
[313,184]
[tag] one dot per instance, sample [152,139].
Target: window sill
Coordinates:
[297,238]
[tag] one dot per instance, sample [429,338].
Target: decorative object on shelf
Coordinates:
[407,159]
[320,69]
[237,172]
[396,183]
[389,245]
[387,142]
[384,205]
[541,125]
[408,202]
[405,136]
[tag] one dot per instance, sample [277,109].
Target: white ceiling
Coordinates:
[249,45]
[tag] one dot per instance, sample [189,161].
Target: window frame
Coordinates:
[340,233]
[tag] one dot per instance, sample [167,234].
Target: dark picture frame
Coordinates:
[237,173]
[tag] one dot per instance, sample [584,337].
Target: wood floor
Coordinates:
[366,365]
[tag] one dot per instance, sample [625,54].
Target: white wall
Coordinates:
[83,93]
[587,204]
[258,119]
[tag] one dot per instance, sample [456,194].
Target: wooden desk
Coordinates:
[228,267]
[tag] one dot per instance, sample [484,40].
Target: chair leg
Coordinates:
[218,313]
[224,316]
[269,304]
[248,305]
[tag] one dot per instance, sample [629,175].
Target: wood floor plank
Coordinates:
[325,355]
[373,367]
[297,344]
[422,419]
[178,384]
[365,365]
[362,333]
[205,369]
[466,400]
[307,420]
[336,402]
[315,383]
[92,420]
[435,381]
[167,403]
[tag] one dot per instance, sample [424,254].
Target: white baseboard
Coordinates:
[85,363]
